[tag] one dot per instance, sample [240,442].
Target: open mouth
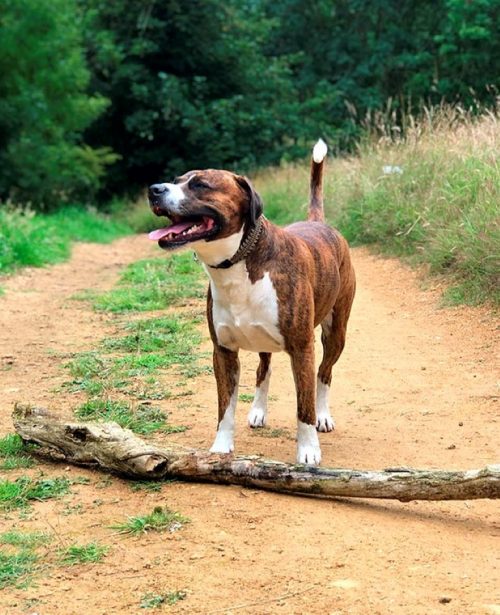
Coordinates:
[184,230]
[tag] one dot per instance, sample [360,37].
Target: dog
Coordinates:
[269,288]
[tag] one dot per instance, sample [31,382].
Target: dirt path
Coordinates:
[415,386]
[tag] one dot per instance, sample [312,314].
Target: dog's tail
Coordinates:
[316,212]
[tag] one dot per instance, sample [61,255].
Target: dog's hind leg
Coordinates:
[333,339]
[227,374]
[258,412]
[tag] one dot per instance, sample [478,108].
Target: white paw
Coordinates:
[325,423]
[256,417]
[308,450]
[222,444]
[309,454]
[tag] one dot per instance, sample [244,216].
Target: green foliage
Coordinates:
[359,55]
[190,87]
[160,520]
[30,239]
[44,107]
[105,98]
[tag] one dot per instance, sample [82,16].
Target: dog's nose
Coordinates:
[157,189]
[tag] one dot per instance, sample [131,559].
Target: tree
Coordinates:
[189,85]
[44,107]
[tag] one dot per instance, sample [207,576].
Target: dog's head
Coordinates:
[203,206]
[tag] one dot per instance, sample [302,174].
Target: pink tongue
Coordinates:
[175,229]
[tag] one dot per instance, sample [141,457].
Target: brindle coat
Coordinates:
[308,264]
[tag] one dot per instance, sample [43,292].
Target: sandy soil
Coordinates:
[415,386]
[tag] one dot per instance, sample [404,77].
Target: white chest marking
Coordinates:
[245,315]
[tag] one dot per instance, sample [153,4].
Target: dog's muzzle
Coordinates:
[158,196]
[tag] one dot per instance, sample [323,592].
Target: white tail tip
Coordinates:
[319,151]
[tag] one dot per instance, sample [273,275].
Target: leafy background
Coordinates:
[99,99]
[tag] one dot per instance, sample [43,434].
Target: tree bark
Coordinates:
[109,447]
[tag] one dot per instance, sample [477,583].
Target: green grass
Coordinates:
[29,540]
[148,486]
[143,418]
[154,284]
[440,211]
[153,601]
[160,520]
[16,568]
[18,556]
[246,398]
[20,492]
[91,553]
[12,453]
[29,239]
[129,363]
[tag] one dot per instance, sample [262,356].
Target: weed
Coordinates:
[104,483]
[152,601]
[160,520]
[90,553]
[12,453]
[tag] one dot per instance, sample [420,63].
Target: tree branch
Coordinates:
[111,448]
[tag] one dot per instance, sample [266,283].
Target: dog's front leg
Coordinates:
[308,449]
[227,374]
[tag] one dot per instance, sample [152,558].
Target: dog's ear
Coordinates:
[255,206]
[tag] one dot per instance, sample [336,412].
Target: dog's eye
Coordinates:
[199,184]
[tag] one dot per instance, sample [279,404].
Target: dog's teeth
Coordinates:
[193,229]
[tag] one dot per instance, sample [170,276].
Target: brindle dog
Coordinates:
[269,288]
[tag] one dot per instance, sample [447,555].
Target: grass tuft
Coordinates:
[12,453]
[143,419]
[26,540]
[19,493]
[160,520]
[153,601]
[90,553]
[16,567]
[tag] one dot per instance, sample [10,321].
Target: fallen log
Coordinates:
[114,449]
